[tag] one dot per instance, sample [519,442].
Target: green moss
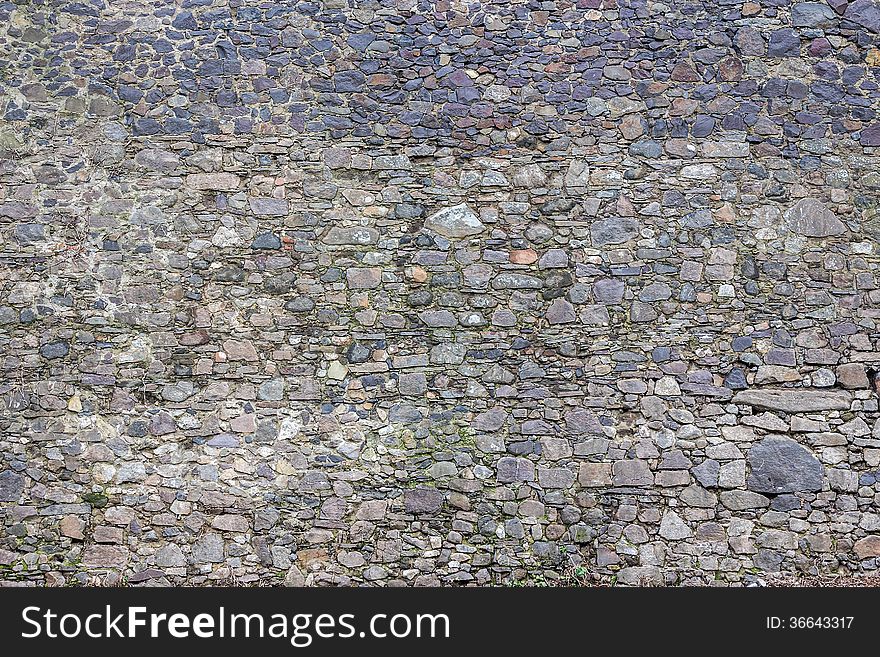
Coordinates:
[98,500]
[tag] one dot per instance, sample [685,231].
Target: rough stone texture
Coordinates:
[438,293]
[780,465]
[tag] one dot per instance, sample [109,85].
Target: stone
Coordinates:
[170,556]
[72,527]
[268,207]
[423,500]
[511,281]
[810,217]
[743,500]
[780,465]
[456,222]
[355,236]
[213,181]
[673,528]
[560,312]
[11,486]
[594,475]
[157,159]
[240,350]
[266,241]
[632,473]
[230,523]
[707,472]
[812,14]
[529,176]
[794,400]
[272,390]
[54,350]
[784,43]
[363,278]
[512,469]
[208,548]
[490,420]
[852,376]
[412,384]
[868,547]
[865,13]
[615,230]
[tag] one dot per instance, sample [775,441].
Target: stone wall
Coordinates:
[408,292]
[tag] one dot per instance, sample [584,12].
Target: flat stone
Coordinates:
[614,230]
[105,556]
[455,222]
[157,159]
[529,176]
[673,528]
[868,547]
[511,469]
[170,556]
[54,350]
[363,278]
[812,14]
[490,420]
[208,548]
[213,181]
[423,500]
[266,241]
[512,281]
[865,13]
[268,206]
[354,236]
[632,473]
[240,350]
[560,312]
[810,217]
[852,376]
[794,400]
[743,500]
[593,475]
[230,523]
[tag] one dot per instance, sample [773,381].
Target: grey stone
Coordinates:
[423,500]
[208,548]
[614,230]
[794,400]
[810,217]
[266,241]
[456,222]
[11,486]
[354,236]
[632,473]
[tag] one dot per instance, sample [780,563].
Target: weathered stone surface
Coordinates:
[810,217]
[780,465]
[868,547]
[455,222]
[213,181]
[632,473]
[423,500]
[208,549]
[342,294]
[794,400]
[11,486]
[355,236]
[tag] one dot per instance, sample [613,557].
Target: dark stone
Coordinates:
[780,465]
[54,350]
[11,486]
[423,500]
[266,241]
